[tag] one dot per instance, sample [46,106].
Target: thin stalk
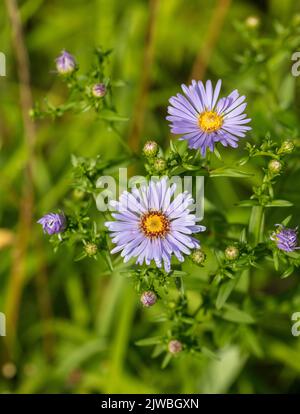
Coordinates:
[24,230]
[18,271]
[212,37]
[148,58]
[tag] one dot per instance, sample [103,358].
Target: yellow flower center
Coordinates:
[154,224]
[210,121]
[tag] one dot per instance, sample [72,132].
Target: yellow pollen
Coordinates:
[154,224]
[210,121]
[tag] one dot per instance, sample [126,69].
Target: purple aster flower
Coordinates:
[150,226]
[285,239]
[202,119]
[65,63]
[53,223]
[99,90]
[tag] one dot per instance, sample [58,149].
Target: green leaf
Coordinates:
[112,116]
[81,256]
[107,258]
[279,203]
[251,340]
[288,272]
[243,160]
[247,203]
[293,255]
[158,350]
[276,260]
[210,354]
[256,224]
[243,236]
[173,146]
[287,91]
[155,340]
[224,292]
[286,221]
[217,154]
[178,273]
[190,167]
[228,172]
[74,160]
[233,314]
[166,360]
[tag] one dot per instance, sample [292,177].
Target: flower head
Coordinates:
[275,166]
[91,249]
[174,346]
[286,147]
[159,165]
[148,298]
[53,223]
[231,253]
[198,256]
[99,90]
[150,149]
[285,239]
[202,119]
[150,226]
[65,63]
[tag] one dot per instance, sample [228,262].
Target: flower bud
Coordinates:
[232,253]
[275,166]
[148,298]
[91,249]
[150,149]
[159,165]
[9,370]
[65,63]
[252,22]
[175,346]
[78,194]
[99,90]
[198,256]
[286,147]
[53,223]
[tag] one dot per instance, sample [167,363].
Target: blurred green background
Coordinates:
[72,327]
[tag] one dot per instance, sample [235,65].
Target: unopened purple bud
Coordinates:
[150,149]
[53,223]
[65,63]
[285,239]
[99,90]
[148,298]
[174,346]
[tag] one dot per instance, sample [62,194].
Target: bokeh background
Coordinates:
[72,327]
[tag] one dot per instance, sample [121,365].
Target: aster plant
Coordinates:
[152,235]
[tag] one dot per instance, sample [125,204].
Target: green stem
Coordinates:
[256,224]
